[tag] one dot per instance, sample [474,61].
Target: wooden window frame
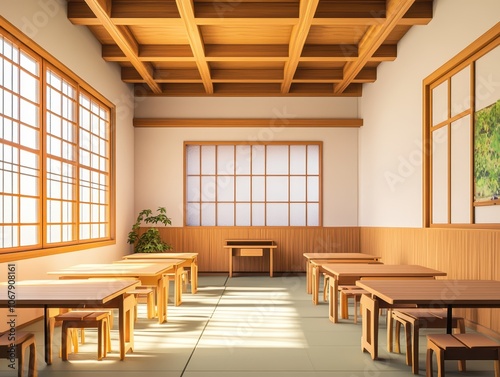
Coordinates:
[466,58]
[319,144]
[46,61]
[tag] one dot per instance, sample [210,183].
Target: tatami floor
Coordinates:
[244,326]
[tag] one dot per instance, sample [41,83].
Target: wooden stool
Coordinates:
[23,340]
[149,295]
[82,320]
[461,347]
[345,294]
[413,320]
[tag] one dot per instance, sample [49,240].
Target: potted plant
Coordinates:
[149,241]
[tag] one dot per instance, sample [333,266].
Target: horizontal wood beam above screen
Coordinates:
[259,122]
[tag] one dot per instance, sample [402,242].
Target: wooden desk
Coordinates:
[427,293]
[350,273]
[190,261]
[250,248]
[109,293]
[328,258]
[147,273]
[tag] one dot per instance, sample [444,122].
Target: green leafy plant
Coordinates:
[149,241]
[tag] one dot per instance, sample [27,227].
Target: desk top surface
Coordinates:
[130,269]
[146,256]
[465,293]
[380,270]
[38,293]
[340,256]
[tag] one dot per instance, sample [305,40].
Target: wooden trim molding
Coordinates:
[257,122]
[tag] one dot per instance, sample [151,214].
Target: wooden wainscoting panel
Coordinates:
[462,253]
[288,257]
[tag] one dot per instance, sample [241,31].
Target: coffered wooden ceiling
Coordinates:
[249,47]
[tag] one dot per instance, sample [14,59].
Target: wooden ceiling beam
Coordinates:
[223,10]
[123,39]
[244,52]
[298,40]
[186,10]
[247,75]
[130,75]
[372,40]
[237,122]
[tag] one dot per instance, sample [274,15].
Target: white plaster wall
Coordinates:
[159,151]
[45,21]
[390,143]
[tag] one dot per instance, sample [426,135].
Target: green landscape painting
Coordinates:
[487,153]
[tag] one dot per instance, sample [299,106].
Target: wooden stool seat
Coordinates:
[461,347]
[413,319]
[347,293]
[147,294]
[82,320]
[23,340]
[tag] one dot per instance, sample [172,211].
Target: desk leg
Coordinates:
[271,268]
[449,319]
[308,277]
[230,262]
[47,336]
[333,306]
[178,286]
[194,276]
[369,336]
[315,284]
[162,298]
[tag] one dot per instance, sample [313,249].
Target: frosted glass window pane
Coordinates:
[225,159]
[298,214]
[29,235]
[313,189]
[297,159]
[277,214]
[54,233]
[225,189]
[192,159]
[208,159]
[208,188]
[440,176]
[243,214]
[242,189]
[193,189]
[258,214]
[487,79]
[277,159]
[460,171]
[225,214]
[297,189]
[313,214]
[243,159]
[258,160]
[258,189]
[208,214]
[84,231]
[193,214]
[312,159]
[85,213]
[440,103]
[487,214]
[54,211]
[277,189]
[460,91]
[29,210]
[29,185]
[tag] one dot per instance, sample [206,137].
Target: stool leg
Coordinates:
[21,351]
[428,367]
[390,329]
[100,338]
[440,362]
[497,367]
[397,342]
[33,372]
[409,347]
[415,345]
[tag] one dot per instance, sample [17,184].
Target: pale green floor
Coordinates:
[245,326]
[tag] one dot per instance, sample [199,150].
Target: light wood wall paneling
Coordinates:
[462,253]
[292,243]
